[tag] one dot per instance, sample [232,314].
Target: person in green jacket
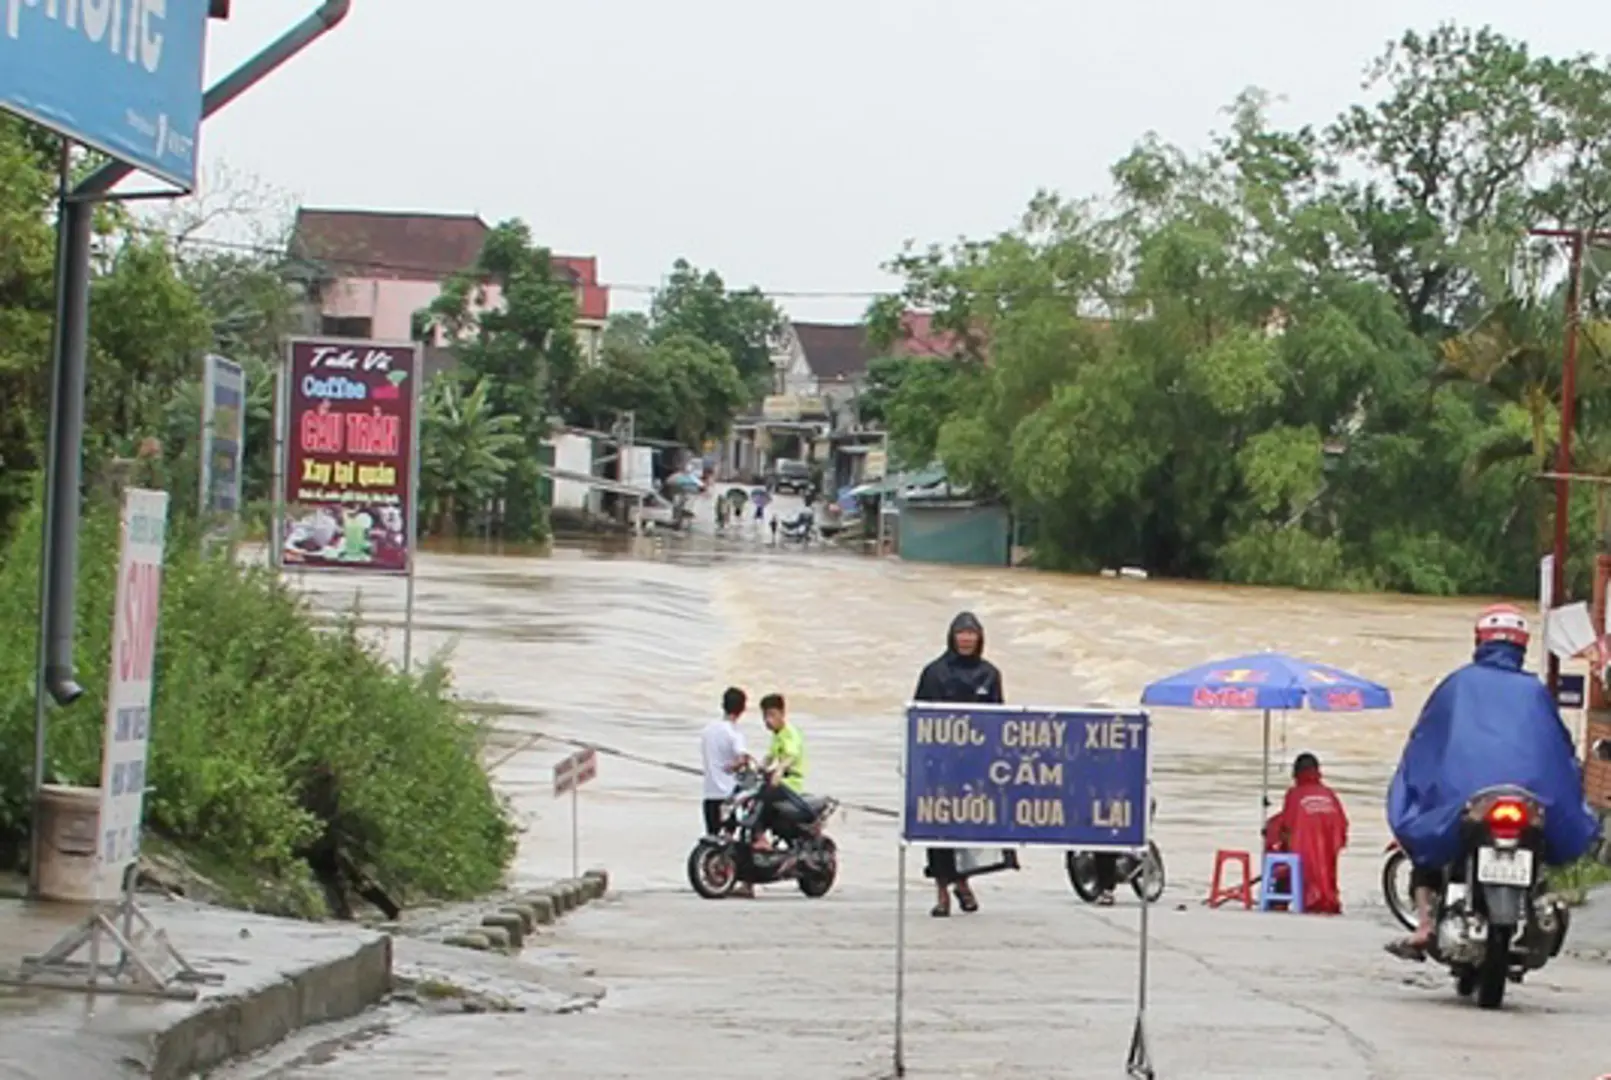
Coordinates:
[785,763]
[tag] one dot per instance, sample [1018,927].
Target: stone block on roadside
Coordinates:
[522,910]
[543,909]
[600,878]
[497,936]
[477,941]
[564,899]
[509,922]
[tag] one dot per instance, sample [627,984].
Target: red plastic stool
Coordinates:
[1218,893]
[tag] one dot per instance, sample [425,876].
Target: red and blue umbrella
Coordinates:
[1267,681]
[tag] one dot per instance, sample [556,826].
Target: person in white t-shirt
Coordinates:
[722,748]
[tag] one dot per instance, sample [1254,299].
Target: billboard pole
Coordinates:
[413,507]
[900,961]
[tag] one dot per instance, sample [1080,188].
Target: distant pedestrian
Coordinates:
[774,530]
[962,675]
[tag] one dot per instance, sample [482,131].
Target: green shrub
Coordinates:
[253,705]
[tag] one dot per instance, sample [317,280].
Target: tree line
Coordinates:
[161,298]
[1323,356]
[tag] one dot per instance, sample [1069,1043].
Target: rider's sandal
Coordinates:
[969,902]
[1105,900]
[1407,949]
[940,911]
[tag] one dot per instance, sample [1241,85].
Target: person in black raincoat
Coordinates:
[962,676]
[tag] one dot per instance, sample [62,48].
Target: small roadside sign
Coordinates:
[569,776]
[574,771]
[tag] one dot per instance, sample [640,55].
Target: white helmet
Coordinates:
[1503,622]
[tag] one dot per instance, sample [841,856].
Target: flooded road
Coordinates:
[632,649]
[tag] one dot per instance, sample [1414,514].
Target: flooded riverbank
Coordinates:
[628,642]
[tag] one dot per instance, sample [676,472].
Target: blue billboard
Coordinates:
[1003,776]
[223,422]
[123,76]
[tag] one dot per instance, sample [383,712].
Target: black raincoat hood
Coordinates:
[966,620]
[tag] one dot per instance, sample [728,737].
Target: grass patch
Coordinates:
[1574,883]
[272,739]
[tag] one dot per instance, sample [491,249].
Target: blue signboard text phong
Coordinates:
[1005,776]
[123,76]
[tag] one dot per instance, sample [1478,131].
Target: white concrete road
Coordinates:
[1034,985]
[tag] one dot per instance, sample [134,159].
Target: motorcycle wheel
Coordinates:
[1495,969]
[1396,889]
[1148,881]
[1082,875]
[816,882]
[711,871]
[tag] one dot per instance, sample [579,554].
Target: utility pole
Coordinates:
[1577,240]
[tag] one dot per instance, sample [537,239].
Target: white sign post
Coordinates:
[569,776]
[126,742]
[146,963]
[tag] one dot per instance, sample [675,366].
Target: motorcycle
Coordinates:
[803,852]
[1145,874]
[1396,886]
[802,528]
[1499,922]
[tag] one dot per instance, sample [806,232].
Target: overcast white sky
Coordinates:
[787,144]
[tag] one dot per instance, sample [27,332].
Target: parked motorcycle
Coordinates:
[801,851]
[1145,874]
[1499,922]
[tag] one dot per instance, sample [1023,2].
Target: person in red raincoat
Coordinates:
[1313,825]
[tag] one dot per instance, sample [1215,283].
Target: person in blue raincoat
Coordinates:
[1487,724]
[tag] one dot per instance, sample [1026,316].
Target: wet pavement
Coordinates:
[51,1034]
[631,648]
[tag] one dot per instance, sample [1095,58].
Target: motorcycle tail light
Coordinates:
[1507,818]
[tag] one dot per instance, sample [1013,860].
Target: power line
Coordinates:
[433,272]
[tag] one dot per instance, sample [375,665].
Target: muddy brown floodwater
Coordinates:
[632,647]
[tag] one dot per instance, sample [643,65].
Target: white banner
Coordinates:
[128,701]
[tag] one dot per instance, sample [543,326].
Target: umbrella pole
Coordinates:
[1264,793]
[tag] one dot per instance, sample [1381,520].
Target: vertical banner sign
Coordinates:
[128,701]
[223,442]
[351,413]
[1005,777]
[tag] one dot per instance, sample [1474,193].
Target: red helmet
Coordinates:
[1503,622]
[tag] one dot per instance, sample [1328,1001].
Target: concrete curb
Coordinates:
[232,1026]
[513,922]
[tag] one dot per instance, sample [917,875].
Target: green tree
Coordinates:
[466,451]
[677,387]
[524,346]
[27,247]
[742,323]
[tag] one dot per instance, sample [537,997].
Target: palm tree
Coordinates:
[466,449]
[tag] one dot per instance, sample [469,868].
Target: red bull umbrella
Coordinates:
[1267,681]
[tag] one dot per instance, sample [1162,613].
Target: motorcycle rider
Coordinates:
[1488,724]
[785,766]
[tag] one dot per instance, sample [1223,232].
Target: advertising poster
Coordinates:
[128,701]
[223,443]
[349,455]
